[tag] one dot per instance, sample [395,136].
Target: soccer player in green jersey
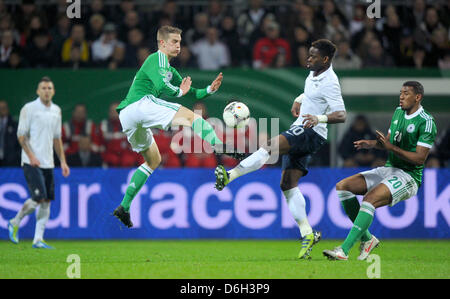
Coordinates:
[410,137]
[142,109]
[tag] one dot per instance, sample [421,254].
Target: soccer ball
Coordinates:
[236,115]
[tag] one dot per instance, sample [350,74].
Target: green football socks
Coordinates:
[360,225]
[203,129]
[351,207]
[138,180]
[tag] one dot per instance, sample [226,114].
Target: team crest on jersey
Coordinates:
[166,74]
[169,76]
[410,128]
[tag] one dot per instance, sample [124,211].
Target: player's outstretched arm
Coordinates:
[365,144]
[337,117]
[310,121]
[198,93]
[368,144]
[417,158]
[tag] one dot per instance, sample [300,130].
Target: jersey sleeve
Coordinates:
[333,96]
[158,71]
[197,93]
[427,133]
[23,128]
[176,80]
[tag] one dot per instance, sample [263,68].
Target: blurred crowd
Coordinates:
[218,35]
[90,144]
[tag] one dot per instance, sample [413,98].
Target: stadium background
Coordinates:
[178,202]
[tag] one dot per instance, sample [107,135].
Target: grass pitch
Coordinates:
[223,259]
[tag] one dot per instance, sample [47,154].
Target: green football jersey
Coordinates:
[408,131]
[156,77]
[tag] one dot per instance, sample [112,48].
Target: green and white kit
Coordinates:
[142,109]
[407,132]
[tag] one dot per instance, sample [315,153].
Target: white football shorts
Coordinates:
[400,183]
[138,118]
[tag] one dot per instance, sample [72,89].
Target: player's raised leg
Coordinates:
[187,118]
[347,189]
[297,206]
[278,145]
[152,160]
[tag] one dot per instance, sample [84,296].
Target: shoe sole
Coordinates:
[43,247]
[220,184]
[330,257]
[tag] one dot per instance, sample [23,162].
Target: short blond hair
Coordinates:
[164,31]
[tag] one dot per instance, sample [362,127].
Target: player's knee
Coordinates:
[288,184]
[191,116]
[346,185]
[38,200]
[370,199]
[194,116]
[285,187]
[155,161]
[342,185]
[45,203]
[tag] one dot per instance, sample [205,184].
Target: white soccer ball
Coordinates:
[236,115]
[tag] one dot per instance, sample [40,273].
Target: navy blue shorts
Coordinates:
[40,182]
[303,142]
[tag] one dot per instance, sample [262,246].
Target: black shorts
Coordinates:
[40,182]
[303,142]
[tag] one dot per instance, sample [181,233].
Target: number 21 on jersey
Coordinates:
[397,136]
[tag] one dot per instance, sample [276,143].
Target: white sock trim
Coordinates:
[368,208]
[145,169]
[344,195]
[290,192]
